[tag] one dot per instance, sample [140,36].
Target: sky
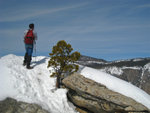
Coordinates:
[106,29]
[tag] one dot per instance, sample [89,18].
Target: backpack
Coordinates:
[29,38]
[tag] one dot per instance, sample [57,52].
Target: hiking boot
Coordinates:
[29,67]
[24,63]
[28,62]
[25,59]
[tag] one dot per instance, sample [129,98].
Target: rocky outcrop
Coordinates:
[96,98]
[10,105]
[130,70]
[145,79]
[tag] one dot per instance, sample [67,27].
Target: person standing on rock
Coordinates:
[29,39]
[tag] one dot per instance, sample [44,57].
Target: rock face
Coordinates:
[96,98]
[138,76]
[10,105]
[145,81]
[135,71]
[132,75]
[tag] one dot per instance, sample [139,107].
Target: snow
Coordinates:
[96,62]
[135,67]
[138,59]
[113,70]
[35,86]
[147,67]
[117,85]
[32,86]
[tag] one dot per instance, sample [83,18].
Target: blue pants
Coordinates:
[29,49]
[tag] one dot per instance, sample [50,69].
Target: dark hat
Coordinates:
[31,26]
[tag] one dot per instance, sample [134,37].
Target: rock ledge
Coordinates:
[96,98]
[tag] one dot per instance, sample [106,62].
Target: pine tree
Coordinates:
[63,61]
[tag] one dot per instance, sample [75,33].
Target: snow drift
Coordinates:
[32,86]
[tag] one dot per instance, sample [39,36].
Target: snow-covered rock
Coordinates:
[117,85]
[136,71]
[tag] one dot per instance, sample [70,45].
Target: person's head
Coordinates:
[31,26]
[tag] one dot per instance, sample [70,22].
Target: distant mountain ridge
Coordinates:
[99,63]
[135,71]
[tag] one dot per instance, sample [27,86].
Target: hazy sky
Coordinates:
[107,29]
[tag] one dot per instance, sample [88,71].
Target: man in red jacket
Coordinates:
[29,39]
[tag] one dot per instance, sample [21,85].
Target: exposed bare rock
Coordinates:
[145,82]
[95,97]
[10,105]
